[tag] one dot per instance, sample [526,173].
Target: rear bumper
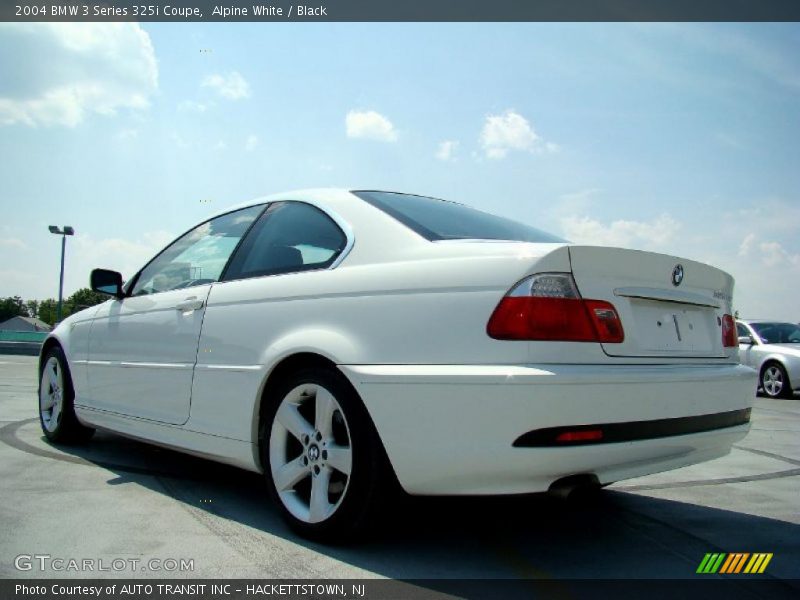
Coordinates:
[450,429]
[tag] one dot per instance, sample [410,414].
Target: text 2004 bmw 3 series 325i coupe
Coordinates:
[341,342]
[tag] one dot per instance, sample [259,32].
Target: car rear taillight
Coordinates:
[548,306]
[730,338]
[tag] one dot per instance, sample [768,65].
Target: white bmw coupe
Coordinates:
[342,342]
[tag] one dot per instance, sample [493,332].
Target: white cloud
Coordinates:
[573,203]
[251,143]
[192,106]
[231,86]
[747,244]
[774,254]
[221,145]
[447,150]
[757,245]
[511,131]
[26,283]
[13,243]
[370,125]
[655,234]
[33,273]
[125,256]
[771,215]
[766,281]
[58,73]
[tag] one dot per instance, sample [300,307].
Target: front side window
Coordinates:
[198,256]
[437,220]
[778,333]
[289,237]
[741,330]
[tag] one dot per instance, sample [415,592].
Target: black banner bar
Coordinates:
[399,10]
[707,587]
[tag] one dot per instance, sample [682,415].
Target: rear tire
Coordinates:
[322,457]
[56,401]
[774,381]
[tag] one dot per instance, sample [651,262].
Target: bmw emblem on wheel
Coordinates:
[677,275]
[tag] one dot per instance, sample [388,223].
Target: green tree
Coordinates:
[84,298]
[48,309]
[33,308]
[13,306]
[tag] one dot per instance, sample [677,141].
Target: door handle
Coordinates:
[189,304]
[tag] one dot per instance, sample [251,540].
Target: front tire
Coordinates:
[56,397]
[321,456]
[775,382]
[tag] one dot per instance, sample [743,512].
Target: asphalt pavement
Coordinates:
[173,515]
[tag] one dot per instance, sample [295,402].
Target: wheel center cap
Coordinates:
[313,453]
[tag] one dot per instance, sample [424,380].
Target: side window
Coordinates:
[741,330]
[289,237]
[198,256]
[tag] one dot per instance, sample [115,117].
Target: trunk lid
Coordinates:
[669,307]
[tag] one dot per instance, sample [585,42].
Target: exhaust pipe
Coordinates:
[574,486]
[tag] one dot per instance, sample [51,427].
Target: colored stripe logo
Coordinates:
[734,563]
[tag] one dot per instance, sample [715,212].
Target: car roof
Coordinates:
[757,321]
[323,195]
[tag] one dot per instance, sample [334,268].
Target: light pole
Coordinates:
[63,233]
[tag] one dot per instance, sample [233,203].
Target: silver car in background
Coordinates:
[773,349]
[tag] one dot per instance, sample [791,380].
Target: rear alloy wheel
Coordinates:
[322,456]
[56,395]
[774,381]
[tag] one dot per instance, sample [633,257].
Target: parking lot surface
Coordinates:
[116,499]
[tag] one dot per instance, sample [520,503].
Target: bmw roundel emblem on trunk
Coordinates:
[677,275]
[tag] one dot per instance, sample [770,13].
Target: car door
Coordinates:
[143,347]
[749,354]
[286,256]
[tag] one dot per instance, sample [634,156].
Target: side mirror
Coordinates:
[107,282]
[746,339]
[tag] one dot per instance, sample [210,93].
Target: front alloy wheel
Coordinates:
[56,396]
[324,462]
[51,395]
[774,381]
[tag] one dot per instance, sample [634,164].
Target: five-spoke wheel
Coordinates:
[774,381]
[321,455]
[310,453]
[56,395]
[51,394]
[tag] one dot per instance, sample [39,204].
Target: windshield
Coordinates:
[442,220]
[777,333]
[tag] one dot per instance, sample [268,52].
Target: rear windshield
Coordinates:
[442,220]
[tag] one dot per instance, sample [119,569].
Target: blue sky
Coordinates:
[679,138]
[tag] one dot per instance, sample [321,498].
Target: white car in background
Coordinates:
[342,342]
[773,349]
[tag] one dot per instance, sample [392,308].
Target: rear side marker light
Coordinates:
[587,435]
[730,338]
[548,306]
